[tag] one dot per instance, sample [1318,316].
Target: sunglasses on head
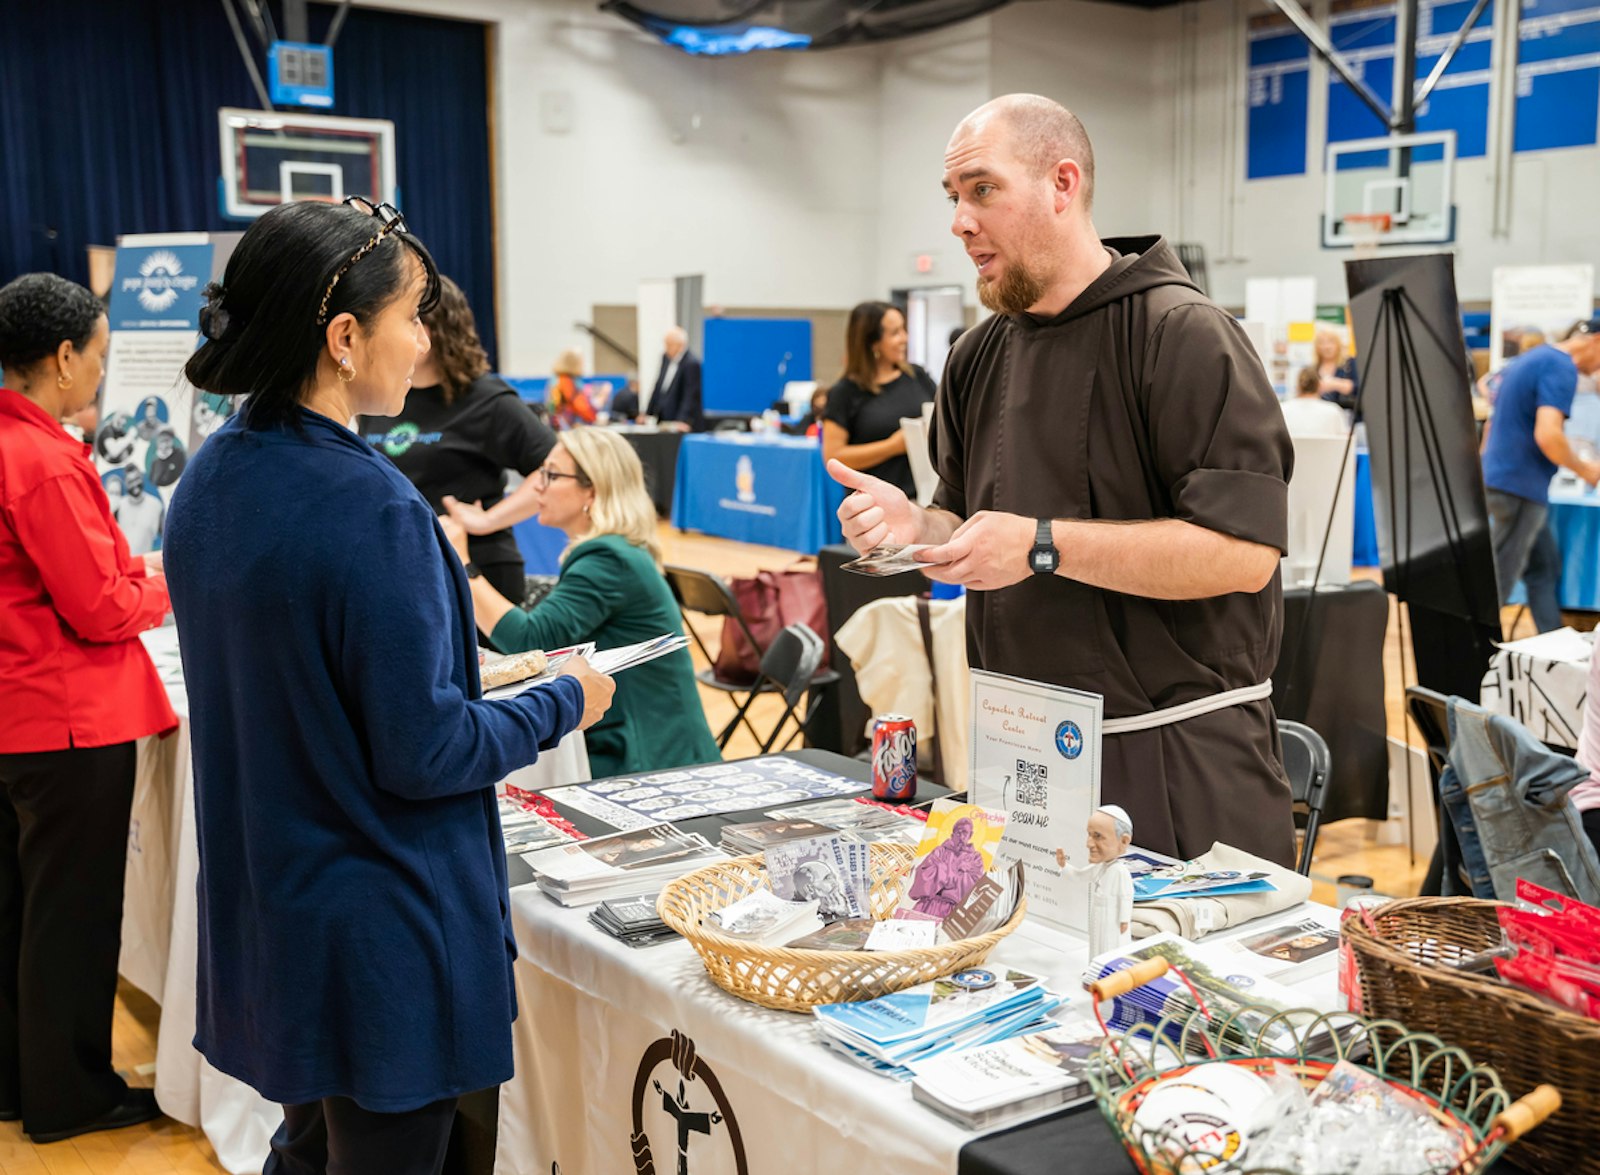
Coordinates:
[389,218]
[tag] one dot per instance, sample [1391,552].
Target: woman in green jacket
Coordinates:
[611,591]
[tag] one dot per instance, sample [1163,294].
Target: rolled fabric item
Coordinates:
[516,667]
[1194,918]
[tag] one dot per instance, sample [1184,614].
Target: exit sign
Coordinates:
[300,75]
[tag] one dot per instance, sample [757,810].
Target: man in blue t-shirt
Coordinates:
[1522,447]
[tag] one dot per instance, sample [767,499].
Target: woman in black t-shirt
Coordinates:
[861,424]
[462,428]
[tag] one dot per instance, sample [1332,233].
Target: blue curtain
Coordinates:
[108,125]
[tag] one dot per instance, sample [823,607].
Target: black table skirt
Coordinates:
[658,453]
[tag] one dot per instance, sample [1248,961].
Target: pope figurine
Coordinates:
[1110,884]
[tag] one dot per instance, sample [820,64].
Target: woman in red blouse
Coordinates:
[76,690]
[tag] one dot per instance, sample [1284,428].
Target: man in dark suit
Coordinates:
[676,399]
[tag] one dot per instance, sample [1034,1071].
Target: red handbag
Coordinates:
[769,603]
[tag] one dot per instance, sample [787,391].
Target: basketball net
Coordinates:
[1366,231]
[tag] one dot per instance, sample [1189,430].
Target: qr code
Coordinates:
[1032,779]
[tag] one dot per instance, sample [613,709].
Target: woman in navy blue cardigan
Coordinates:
[355,942]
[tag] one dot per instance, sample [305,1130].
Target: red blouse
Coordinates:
[73,601]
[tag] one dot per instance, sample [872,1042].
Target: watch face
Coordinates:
[1044,562]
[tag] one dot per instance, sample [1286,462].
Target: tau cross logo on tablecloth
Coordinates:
[689,1122]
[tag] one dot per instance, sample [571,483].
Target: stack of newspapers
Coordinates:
[588,871]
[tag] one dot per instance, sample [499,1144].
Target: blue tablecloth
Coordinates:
[763,489]
[1364,547]
[1575,517]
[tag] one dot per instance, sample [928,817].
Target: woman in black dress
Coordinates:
[861,424]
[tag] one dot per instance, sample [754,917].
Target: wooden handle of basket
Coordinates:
[1122,982]
[1528,1111]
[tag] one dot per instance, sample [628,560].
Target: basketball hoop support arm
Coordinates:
[1318,40]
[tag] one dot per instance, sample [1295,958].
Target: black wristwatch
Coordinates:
[473,570]
[1043,559]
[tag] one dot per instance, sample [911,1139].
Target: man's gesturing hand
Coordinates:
[876,513]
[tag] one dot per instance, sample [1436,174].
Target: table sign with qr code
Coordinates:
[1035,752]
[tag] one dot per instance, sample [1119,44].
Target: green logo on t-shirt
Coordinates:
[400,438]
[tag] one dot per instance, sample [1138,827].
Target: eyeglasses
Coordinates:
[548,475]
[389,220]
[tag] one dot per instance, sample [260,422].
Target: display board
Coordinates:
[748,361]
[151,419]
[1278,97]
[1535,303]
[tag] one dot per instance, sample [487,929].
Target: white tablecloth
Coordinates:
[1542,683]
[159,925]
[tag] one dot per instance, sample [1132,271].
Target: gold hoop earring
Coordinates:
[63,381]
[346,373]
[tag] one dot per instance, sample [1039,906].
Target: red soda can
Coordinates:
[894,758]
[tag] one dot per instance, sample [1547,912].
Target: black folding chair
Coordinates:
[791,665]
[1308,764]
[709,595]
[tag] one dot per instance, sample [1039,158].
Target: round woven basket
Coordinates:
[797,981]
[1406,975]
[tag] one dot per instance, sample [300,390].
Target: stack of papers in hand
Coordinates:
[589,871]
[761,919]
[973,1007]
[995,1083]
[607,661]
[633,920]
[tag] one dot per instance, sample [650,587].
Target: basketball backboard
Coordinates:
[1394,190]
[272,158]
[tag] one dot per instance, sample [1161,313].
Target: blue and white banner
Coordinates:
[158,284]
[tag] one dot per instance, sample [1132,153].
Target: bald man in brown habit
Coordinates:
[1113,471]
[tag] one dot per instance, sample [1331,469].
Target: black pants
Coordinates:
[1591,825]
[63,854]
[510,579]
[337,1137]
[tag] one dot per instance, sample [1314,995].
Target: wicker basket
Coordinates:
[1405,977]
[797,981]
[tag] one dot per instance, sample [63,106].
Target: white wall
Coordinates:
[759,172]
[929,84]
[1101,61]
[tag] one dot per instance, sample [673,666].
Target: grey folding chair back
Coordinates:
[789,665]
[1308,764]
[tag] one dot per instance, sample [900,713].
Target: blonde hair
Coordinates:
[1337,335]
[622,506]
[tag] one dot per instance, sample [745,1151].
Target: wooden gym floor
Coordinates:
[1350,846]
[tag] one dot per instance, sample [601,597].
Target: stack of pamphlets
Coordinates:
[632,920]
[761,919]
[743,840]
[584,872]
[859,820]
[1228,981]
[994,1083]
[529,822]
[1185,881]
[973,1007]
[608,661]
[829,870]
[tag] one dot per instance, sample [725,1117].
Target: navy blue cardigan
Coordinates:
[355,935]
